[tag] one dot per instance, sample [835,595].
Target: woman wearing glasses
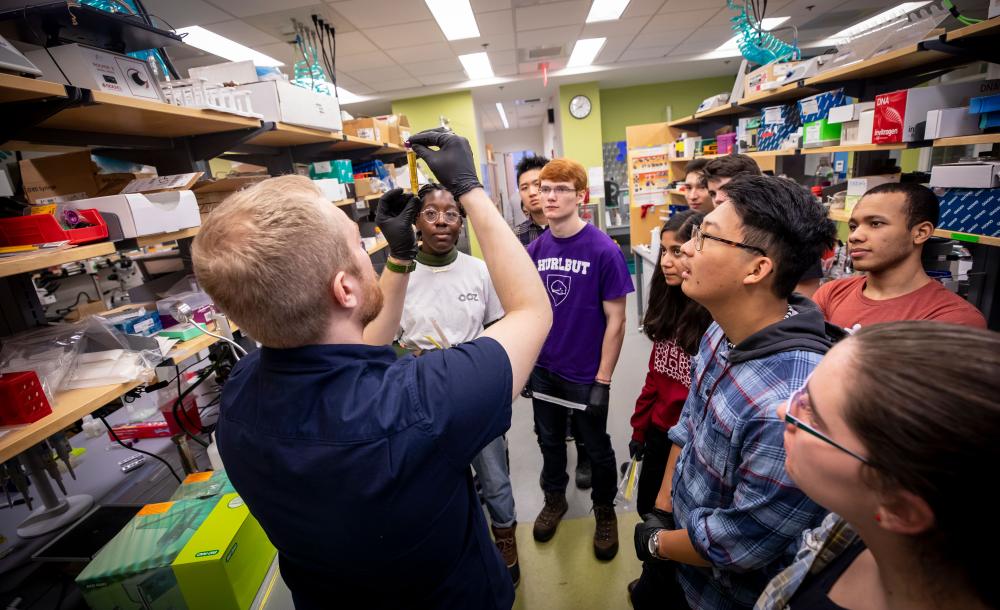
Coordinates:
[898,455]
[450,300]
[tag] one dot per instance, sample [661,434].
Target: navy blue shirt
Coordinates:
[356,465]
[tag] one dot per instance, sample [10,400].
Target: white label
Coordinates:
[143,326]
[810,107]
[839,166]
[774,116]
[812,133]
[323,167]
[62,198]
[366,133]
[404,135]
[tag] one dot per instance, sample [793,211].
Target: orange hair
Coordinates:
[565,170]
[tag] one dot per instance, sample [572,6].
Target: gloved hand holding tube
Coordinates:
[451,163]
[397,212]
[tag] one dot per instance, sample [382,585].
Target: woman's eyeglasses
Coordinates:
[450,217]
[799,402]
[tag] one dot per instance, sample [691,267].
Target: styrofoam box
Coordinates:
[148,214]
[949,122]
[332,189]
[281,101]
[849,112]
[966,175]
[239,72]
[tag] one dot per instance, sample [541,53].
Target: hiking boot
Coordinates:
[606,532]
[583,472]
[507,543]
[548,520]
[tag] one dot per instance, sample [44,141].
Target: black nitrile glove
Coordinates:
[600,396]
[397,211]
[636,449]
[657,520]
[452,163]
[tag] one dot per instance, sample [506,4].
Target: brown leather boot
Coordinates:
[507,543]
[606,532]
[547,521]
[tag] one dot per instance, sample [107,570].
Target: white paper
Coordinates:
[810,107]
[159,183]
[774,116]
[812,133]
[322,167]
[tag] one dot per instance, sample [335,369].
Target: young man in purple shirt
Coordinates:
[586,278]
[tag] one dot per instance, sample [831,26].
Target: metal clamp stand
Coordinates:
[54,512]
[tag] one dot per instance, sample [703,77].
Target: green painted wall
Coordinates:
[647,103]
[425,113]
[581,138]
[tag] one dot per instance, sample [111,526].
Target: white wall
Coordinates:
[516,140]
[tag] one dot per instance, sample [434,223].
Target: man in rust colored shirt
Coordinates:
[889,227]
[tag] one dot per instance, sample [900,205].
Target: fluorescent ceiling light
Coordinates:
[871,22]
[477,65]
[768,24]
[503,116]
[606,10]
[455,18]
[210,42]
[584,52]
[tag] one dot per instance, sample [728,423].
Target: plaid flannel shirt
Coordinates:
[819,548]
[730,489]
[528,231]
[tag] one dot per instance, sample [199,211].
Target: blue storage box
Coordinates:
[985,103]
[136,320]
[989,119]
[975,211]
[817,107]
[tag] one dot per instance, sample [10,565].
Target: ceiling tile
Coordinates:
[705,39]
[613,47]
[279,24]
[281,51]
[364,61]
[502,58]
[495,22]
[505,70]
[621,27]
[437,66]
[353,43]
[494,42]
[642,8]
[688,20]
[645,41]
[380,75]
[405,34]
[185,13]
[243,33]
[548,38]
[444,78]
[246,8]
[426,52]
[353,85]
[479,6]
[396,84]
[634,54]
[375,13]
[551,15]
[681,6]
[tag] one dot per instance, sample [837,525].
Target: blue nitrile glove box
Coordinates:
[136,320]
[817,107]
[975,211]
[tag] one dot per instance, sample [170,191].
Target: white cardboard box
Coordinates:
[857,187]
[281,101]
[332,189]
[848,112]
[901,116]
[148,214]
[239,72]
[948,122]
[966,175]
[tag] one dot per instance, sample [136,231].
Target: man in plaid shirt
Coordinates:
[728,516]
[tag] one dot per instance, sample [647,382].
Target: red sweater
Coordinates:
[667,384]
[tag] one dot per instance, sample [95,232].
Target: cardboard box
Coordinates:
[332,189]
[817,107]
[857,187]
[237,72]
[985,103]
[974,211]
[135,319]
[848,112]
[370,128]
[768,77]
[780,127]
[966,175]
[148,214]
[223,564]
[901,116]
[203,485]
[821,133]
[281,101]
[133,571]
[211,193]
[398,128]
[59,178]
[948,122]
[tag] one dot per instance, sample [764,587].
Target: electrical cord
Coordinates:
[181,395]
[152,455]
[235,345]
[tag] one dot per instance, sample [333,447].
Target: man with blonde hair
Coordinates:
[356,464]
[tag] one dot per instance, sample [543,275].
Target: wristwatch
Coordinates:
[654,545]
[397,268]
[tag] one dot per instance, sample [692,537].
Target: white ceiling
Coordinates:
[390,49]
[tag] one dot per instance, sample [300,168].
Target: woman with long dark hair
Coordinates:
[896,432]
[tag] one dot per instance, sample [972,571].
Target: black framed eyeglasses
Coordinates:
[700,236]
[798,401]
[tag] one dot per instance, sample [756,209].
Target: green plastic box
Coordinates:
[224,563]
[821,133]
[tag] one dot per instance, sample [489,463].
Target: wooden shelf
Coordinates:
[20,89]
[784,152]
[344,202]
[727,110]
[982,138]
[119,114]
[853,148]
[906,58]
[390,149]
[43,260]
[378,247]
[681,160]
[284,134]
[791,91]
[988,27]
[162,238]
[843,216]
[677,192]
[74,404]
[686,120]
